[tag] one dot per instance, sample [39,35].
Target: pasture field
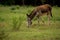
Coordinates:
[13,24]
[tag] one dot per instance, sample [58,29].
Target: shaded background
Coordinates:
[30,2]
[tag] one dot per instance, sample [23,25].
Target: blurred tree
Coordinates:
[30,2]
[23,2]
[43,1]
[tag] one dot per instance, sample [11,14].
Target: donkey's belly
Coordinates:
[44,11]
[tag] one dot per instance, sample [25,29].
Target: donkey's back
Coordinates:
[44,9]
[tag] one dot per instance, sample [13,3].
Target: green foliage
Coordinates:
[12,8]
[29,2]
[3,33]
[43,1]
[17,23]
[1,19]
[15,7]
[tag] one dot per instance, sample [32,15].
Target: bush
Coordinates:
[16,23]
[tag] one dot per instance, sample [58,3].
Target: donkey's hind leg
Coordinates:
[38,19]
[49,18]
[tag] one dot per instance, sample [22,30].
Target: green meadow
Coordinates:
[13,24]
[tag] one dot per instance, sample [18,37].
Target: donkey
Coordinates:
[39,11]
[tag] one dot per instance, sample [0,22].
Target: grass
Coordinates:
[13,17]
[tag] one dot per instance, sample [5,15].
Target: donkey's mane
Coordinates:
[32,14]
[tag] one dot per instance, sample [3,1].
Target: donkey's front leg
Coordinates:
[38,19]
[29,23]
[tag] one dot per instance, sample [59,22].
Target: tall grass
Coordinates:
[17,23]
[3,34]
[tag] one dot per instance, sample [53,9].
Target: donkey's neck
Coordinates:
[33,14]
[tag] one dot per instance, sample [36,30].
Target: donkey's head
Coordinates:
[29,20]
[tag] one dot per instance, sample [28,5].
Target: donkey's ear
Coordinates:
[27,14]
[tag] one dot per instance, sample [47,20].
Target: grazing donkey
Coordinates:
[39,11]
